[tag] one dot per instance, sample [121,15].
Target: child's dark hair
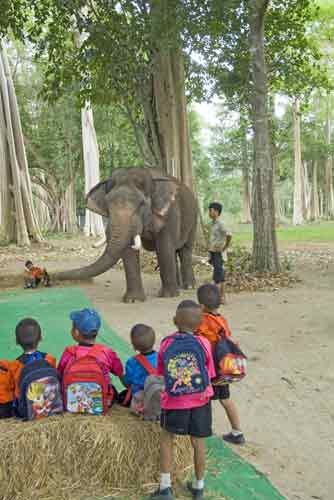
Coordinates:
[188,316]
[216,206]
[142,337]
[28,333]
[28,263]
[209,296]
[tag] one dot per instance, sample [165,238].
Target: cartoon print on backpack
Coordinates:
[185,366]
[40,390]
[85,397]
[44,398]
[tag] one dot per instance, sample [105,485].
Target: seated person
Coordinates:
[28,336]
[34,275]
[6,390]
[85,328]
[142,339]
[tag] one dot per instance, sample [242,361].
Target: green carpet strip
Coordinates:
[229,476]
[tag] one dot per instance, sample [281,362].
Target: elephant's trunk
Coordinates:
[108,259]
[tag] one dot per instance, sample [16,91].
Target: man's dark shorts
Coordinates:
[221,392]
[216,260]
[196,422]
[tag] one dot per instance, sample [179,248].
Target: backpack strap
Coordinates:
[29,358]
[143,361]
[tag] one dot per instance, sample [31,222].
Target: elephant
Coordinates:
[144,207]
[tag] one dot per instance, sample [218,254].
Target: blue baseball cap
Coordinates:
[86,321]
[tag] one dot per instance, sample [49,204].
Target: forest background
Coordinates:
[62,58]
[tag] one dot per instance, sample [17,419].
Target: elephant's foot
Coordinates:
[168,292]
[132,296]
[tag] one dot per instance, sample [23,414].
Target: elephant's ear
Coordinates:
[164,192]
[96,198]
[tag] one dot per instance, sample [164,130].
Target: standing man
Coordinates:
[220,240]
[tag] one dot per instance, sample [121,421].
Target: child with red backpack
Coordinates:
[85,368]
[214,327]
[144,385]
[186,364]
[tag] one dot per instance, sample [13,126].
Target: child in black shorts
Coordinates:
[211,327]
[185,361]
[220,240]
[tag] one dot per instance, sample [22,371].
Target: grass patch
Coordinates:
[308,233]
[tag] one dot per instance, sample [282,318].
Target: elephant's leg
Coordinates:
[167,264]
[134,284]
[187,273]
[178,274]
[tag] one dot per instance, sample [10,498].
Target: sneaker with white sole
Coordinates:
[166,494]
[234,439]
[197,494]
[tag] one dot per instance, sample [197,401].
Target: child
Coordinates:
[212,322]
[220,240]
[85,328]
[6,390]
[186,363]
[28,336]
[142,339]
[33,275]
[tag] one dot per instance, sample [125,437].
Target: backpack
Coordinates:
[185,371]
[212,328]
[40,388]
[230,362]
[146,403]
[6,390]
[85,389]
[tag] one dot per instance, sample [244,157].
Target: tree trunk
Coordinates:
[18,181]
[166,107]
[306,193]
[246,217]
[329,194]
[315,210]
[93,222]
[265,254]
[298,194]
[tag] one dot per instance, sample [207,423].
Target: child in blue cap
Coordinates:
[85,327]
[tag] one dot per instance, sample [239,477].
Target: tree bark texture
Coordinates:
[298,194]
[246,217]
[93,222]
[315,209]
[165,106]
[329,194]
[265,253]
[18,204]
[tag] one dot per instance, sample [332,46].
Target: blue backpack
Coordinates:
[40,388]
[184,366]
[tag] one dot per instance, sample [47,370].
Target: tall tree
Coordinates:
[265,253]
[16,191]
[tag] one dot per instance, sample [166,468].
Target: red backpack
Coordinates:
[85,389]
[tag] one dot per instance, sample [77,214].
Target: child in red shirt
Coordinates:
[212,324]
[186,363]
[85,327]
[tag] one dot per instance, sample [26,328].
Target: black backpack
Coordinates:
[40,388]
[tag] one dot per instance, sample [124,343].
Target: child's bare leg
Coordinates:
[199,457]
[222,293]
[232,413]
[236,435]
[166,452]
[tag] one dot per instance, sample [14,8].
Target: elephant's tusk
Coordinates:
[100,243]
[137,243]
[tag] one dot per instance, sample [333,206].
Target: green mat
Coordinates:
[229,476]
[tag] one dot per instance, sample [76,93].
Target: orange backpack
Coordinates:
[212,327]
[6,390]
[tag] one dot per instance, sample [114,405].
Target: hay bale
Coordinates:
[75,456]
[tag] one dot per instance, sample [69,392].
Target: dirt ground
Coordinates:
[286,403]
